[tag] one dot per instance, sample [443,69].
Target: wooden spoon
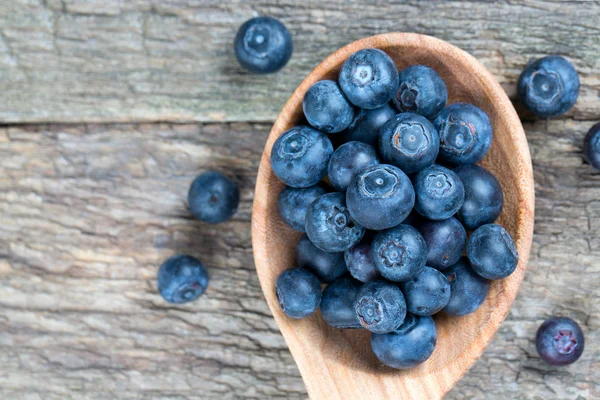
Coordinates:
[339,364]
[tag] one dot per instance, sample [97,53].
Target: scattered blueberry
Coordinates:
[465,134]
[591,146]
[359,262]
[439,193]
[369,78]
[409,141]
[298,292]
[182,279]
[292,204]
[326,108]
[399,253]
[549,86]
[467,289]
[409,345]
[329,225]
[326,266]
[446,241]
[559,341]
[337,303]
[492,252]
[300,156]
[366,124]
[483,196]
[348,160]
[263,45]
[380,197]
[427,292]
[422,91]
[213,197]
[380,306]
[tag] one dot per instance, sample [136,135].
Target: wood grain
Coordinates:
[172,60]
[339,364]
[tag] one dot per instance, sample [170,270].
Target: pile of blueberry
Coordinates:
[389,230]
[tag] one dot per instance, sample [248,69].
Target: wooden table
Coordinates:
[109,108]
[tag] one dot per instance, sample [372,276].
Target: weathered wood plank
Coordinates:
[88,212]
[149,60]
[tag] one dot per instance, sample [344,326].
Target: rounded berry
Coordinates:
[399,253]
[298,292]
[359,262]
[213,197]
[380,306]
[422,91]
[348,160]
[467,289]
[337,303]
[483,196]
[427,292]
[439,193]
[326,108]
[492,252]
[559,341]
[182,279]
[366,124]
[446,240]
[293,203]
[591,146]
[326,266]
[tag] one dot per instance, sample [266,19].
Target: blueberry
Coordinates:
[300,156]
[326,266]
[409,345]
[337,303]
[399,253]
[359,262]
[439,193]
[483,196]
[293,203]
[329,224]
[326,108]
[492,252]
[446,240]
[380,306]
[559,341]
[369,78]
[591,146]
[182,279]
[422,91]
[366,124]
[409,141]
[213,197]
[348,160]
[298,292]
[465,134]
[549,86]
[427,292]
[467,289]
[380,197]
[263,45]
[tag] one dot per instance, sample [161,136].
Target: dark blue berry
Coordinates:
[213,197]
[298,292]
[409,345]
[326,108]
[263,45]
[465,134]
[380,197]
[492,252]
[359,262]
[467,289]
[380,306]
[348,160]
[483,196]
[293,203]
[337,303]
[549,86]
[300,156]
[326,266]
[399,253]
[182,279]
[591,146]
[329,224]
[409,141]
[439,193]
[366,124]
[422,91]
[427,292]
[559,341]
[446,240]
[369,78]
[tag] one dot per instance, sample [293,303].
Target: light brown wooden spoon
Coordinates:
[337,364]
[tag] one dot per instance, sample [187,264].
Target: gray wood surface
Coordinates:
[89,211]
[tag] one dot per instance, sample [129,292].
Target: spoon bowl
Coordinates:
[339,364]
